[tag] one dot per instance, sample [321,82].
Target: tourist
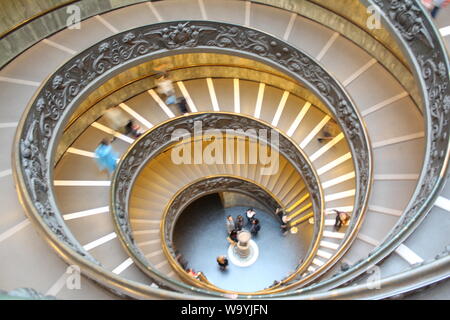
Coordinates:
[250,215]
[133,129]
[182,105]
[342,218]
[328,131]
[115,119]
[106,157]
[230,224]
[222,261]
[181,260]
[437,5]
[285,224]
[239,223]
[232,237]
[280,212]
[193,273]
[165,86]
[255,227]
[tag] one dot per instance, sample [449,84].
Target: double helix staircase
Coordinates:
[392,115]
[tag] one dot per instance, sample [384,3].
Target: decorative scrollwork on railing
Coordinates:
[58,97]
[423,45]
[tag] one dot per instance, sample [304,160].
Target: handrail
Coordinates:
[158,140]
[45,117]
[423,45]
[195,190]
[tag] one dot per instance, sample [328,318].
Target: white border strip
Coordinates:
[314,131]
[124,265]
[259,100]
[384,103]
[135,115]
[110,131]
[155,12]
[100,241]
[396,140]
[187,96]
[82,183]
[81,152]
[5,173]
[13,230]
[299,118]
[406,253]
[212,94]
[280,108]
[327,46]
[161,103]
[359,72]
[108,25]
[85,213]
[20,81]
[59,46]
[289,27]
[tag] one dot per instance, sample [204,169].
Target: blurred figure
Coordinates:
[181,260]
[254,229]
[436,6]
[280,212]
[222,261]
[230,224]
[133,129]
[239,223]
[329,131]
[285,224]
[115,118]
[106,157]
[165,86]
[182,105]
[232,238]
[193,273]
[342,218]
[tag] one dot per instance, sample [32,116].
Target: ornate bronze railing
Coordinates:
[55,101]
[159,139]
[196,190]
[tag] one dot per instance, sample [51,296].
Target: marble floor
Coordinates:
[200,235]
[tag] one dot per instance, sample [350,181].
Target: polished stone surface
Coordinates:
[200,235]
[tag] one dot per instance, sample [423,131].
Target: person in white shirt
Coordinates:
[250,215]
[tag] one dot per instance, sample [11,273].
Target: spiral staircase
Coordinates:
[235,62]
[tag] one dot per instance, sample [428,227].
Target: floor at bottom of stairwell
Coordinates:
[200,236]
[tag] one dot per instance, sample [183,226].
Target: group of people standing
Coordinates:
[234,227]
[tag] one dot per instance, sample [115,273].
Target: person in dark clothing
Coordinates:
[232,238]
[182,105]
[133,129]
[222,261]
[181,260]
[280,213]
[255,227]
[239,223]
